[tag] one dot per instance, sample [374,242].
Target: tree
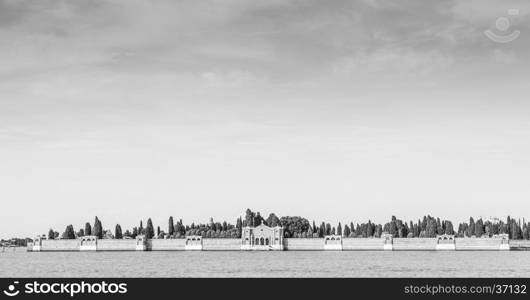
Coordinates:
[51,234]
[239,224]
[378,231]
[526,234]
[88,229]
[322,230]
[328,229]
[294,225]
[141,228]
[149,230]
[117,233]
[98,228]
[170,226]
[273,220]
[157,231]
[69,233]
[449,228]
[393,230]
[370,228]
[471,227]
[479,228]
[431,228]
[249,218]
[339,229]
[439,227]
[347,231]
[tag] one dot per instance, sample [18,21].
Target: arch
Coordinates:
[257,241]
[267,241]
[332,238]
[262,241]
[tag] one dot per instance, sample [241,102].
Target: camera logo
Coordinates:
[11,290]
[502,25]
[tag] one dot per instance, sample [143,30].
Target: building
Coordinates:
[262,237]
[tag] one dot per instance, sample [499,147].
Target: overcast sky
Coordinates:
[333,110]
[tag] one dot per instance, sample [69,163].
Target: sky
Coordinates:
[332,110]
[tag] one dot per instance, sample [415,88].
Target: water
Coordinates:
[267,264]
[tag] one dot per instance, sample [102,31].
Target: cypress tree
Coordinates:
[370,229]
[328,229]
[392,229]
[378,231]
[471,227]
[439,227]
[322,230]
[526,235]
[249,218]
[431,228]
[117,233]
[347,231]
[479,228]
[51,234]
[149,230]
[88,229]
[69,233]
[98,228]
[170,226]
[339,229]
[449,228]
[239,226]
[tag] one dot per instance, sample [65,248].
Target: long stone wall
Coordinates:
[477,244]
[303,244]
[60,245]
[414,244]
[519,245]
[296,244]
[221,244]
[366,244]
[166,245]
[116,245]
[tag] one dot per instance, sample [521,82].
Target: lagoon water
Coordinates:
[266,264]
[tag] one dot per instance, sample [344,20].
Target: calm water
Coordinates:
[266,264]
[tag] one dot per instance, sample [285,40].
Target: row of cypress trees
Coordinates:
[299,227]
